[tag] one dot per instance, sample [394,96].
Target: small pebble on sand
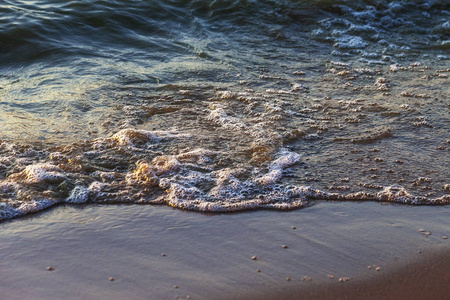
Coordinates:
[293,227]
[111,279]
[285,246]
[331,276]
[50,268]
[175,286]
[306,279]
[288,278]
[369,267]
[378,268]
[445,237]
[255,258]
[163,254]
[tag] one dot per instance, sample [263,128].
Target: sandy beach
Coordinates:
[326,251]
[224,150]
[423,278]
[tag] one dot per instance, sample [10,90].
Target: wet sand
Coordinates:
[423,278]
[155,252]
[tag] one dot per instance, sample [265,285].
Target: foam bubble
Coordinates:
[339,53]
[340,64]
[149,171]
[286,159]
[229,191]
[129,137]
[446,26]
[105,176]
[7,212]
[220,117]
[349,42]
[270,178]
[34,206]
[8,187]
[231,197]
[226,95]
[43,173]
[164,164]
[79,194]
[96,187]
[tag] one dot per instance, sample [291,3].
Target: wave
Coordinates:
[36,32]
[192,180]
[222,106]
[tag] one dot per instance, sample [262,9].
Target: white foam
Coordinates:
[286,159]
[339,64]
[446,26]
[349,42]
[96,187]
[339,53]
[58,156]
[364,71]
[270,178]
[8,187]
[332,22]
[234,196]
[180,192]
[299,87]
[272,108]
[226,95]
[228,186]
[445,44]
[34,206]
[7,212]
[127,137]
[279,92]
[395,7]
[164,164]
[220,117]
[368,15]
[105,176]
[394,68]
[229,193]
[396,193]
[79,194]
[43,173]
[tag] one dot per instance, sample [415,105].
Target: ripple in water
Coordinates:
[204,106]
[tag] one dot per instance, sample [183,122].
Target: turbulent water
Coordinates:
[223,105]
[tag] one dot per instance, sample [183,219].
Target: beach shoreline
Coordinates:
[224,149]
[155,252]
[426,277]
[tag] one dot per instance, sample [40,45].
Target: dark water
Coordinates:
[223,105]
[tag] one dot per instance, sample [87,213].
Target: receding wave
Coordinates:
[222,106]
[93,172]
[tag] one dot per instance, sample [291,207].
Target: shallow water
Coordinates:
[224,105]
[209,256]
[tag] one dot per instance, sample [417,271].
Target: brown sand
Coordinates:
[116,252]
[424,278]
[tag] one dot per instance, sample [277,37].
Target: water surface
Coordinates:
[223,105]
